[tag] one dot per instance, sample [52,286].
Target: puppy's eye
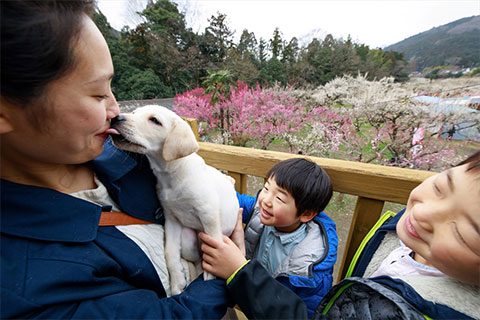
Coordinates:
[155,120]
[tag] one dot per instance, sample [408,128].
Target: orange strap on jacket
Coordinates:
[119,219]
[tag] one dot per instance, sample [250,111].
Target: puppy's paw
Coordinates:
[178,286]
[208,276]
[178,277]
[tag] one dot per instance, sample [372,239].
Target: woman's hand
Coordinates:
[223,258]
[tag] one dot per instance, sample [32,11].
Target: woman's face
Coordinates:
[75,113]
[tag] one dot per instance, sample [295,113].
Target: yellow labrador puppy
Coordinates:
[195,196]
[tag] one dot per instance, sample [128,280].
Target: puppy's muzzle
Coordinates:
[122,136]
[117,120]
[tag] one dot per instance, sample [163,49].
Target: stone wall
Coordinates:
[130,105]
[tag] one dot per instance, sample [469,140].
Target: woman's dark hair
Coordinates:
[306,181]
[37,42]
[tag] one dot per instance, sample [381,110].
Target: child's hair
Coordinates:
[473,162]
[306,181]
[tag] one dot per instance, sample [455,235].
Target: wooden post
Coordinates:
[194,125]
[366,214]
[240,181]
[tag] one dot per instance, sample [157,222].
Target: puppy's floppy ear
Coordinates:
[180,141]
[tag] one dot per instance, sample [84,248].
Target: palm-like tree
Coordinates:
[218,83]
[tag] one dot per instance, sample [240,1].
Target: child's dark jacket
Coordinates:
[305,271]
[360,297]
[412,297]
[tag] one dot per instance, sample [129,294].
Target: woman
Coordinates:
[59,172]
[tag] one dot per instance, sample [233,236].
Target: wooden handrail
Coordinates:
[356,178]
[373,184]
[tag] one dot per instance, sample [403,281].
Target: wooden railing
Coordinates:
[373,184]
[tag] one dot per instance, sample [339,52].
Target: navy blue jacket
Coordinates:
[57,263]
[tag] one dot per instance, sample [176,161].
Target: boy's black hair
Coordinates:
[473,162]
[306,181]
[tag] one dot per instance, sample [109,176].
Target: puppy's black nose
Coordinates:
[116,120]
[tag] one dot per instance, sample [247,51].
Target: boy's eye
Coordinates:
[436,186]
[102,97]
[280,199]
[460,236]
[455,230]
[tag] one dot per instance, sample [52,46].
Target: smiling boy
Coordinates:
[287,232]
[425,260]
[441,223]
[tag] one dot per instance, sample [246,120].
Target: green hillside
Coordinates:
[456,43]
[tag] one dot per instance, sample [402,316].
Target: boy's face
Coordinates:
[278,209]
[442,223]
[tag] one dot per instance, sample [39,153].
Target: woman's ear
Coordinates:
[307,215]
[5,125]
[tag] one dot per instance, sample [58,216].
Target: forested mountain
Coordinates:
[456,43]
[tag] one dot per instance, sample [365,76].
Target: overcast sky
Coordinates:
[376,23]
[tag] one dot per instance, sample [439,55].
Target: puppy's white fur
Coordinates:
[194,195]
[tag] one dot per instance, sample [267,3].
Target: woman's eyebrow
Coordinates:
[106,77]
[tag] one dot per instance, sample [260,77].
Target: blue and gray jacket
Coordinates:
[308,269]
[383,297]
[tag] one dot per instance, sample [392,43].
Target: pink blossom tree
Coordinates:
[254,113]
[196,104]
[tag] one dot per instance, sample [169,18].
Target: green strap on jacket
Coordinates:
[365,240]
[355,258]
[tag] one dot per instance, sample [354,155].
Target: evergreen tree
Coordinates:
[276,43]
[219,36]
